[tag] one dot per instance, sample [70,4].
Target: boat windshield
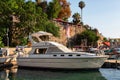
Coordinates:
[44,38]
[61,47]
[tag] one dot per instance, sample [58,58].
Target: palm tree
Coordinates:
[76,18]
[38,1]
[81,5]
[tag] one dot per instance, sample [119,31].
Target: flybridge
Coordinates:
[42,44]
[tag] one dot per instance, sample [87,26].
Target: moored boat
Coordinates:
[48,54]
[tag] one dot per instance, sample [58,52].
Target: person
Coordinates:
[17,49]
[22,49]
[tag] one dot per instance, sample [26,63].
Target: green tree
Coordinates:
[88,35]
[53,9]
[76,18]
[5,20]
[38,1]
[30,18]
[105,39]
[52,28]
[42,4]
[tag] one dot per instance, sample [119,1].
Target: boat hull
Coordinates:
[63,63]
[3,59]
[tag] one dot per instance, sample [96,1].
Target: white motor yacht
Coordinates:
[48,54]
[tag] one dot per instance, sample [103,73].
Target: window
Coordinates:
[54,55]
[78,55]
[40,50]
[70,55]
[62,55]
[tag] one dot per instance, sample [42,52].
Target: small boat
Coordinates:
[48,54]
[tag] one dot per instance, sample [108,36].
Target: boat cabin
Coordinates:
[48,47]
[42,45]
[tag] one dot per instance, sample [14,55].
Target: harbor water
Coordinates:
[35,74]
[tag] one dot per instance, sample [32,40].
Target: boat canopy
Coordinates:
[39,36]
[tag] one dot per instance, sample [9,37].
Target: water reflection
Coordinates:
[111,74]
[8,73]
[32,74]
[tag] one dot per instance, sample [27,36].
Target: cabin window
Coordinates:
[70,55]
[40,51]
[78,55]
[61,55]
[54,55]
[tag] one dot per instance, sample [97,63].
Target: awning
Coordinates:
[107,43]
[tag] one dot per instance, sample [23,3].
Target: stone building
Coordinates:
[73,29]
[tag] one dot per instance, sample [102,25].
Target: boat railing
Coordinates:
[100,52]
[21,53]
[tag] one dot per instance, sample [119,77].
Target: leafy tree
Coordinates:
[88,35]
[65,11]
[76,21]
[38,1]
[105,39]
[53,9]
[52,28]
[30,18]
[76,18]
[5,14]
[42,4]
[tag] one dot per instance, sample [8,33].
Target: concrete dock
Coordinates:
[111,63]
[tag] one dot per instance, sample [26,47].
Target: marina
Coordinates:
[49,54]
[49,40]
[111,64]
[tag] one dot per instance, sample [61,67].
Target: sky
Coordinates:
[101,14]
